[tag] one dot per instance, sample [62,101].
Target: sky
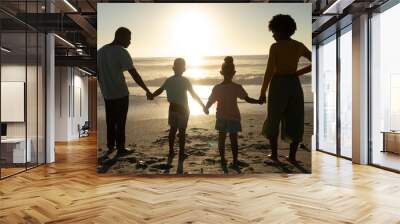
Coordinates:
[199,29]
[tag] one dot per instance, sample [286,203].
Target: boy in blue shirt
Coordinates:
[176,87]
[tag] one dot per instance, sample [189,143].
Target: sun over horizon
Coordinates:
[198,30]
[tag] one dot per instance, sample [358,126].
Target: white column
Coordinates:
[360,89]
[50,92]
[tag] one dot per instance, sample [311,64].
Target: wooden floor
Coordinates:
[70,191]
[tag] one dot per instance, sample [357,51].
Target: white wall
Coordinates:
[33,127]
[71,93]
[62,81]
[14,73]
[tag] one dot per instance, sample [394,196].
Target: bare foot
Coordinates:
[235,166]
[273,157]
[224,167]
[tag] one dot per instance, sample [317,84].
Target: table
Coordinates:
[13,150]
[391,141]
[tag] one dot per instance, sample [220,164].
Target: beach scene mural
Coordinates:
[203,35]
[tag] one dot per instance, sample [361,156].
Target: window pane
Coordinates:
[327,96]
[346,94]
[385,84]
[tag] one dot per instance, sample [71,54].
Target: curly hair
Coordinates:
[283,24]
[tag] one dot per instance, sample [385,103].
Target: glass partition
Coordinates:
[14,153]
[22,88]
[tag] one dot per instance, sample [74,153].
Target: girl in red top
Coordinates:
[228,115]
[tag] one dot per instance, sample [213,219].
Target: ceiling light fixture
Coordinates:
[70,5]
[5,50]
[332,9]
[84,71]
[64,40]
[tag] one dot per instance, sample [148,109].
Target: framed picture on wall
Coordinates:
[199,109]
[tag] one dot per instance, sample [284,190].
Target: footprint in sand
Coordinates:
[199,129]
[153,170]
[248,170]
[131,160]
[261,146]
[257,160]
[161,140]
[200,145]
[243,164]
[161,166]
[151,161]
[199,153]
[141,165]
[209,161]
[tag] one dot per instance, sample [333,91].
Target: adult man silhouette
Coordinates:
[112,60]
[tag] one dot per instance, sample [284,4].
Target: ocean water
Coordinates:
[206,71]
[203,74]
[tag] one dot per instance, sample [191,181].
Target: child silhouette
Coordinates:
[176,87]
[228,114]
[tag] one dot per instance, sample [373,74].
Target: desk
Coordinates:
[391,141]
[13,150]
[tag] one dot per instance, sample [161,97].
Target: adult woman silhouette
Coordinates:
[285,95]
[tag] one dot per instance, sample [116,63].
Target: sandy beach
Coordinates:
[148,138]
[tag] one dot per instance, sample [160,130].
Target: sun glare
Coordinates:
[192,37]
[194,73]
[194,60]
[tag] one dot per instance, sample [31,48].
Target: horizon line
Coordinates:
[233,55]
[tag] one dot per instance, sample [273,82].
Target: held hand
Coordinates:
[149,96]
[262,99]
[206,111]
